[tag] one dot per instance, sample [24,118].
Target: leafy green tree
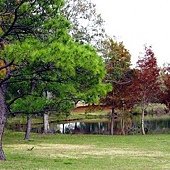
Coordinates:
[65,84]
[38,54]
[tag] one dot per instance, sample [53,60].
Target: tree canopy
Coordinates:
[87,24]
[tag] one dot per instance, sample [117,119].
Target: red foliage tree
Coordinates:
[124,99]
[146,87]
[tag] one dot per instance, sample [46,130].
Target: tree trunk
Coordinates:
[122,126]
[46,123]
[75,127]
[63,129]
[112,122]
[142,122]
[28,128]
[3,114]
[99,131]
[48,95]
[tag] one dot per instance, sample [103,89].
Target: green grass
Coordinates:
[162,117]
[92,152]
[21,119]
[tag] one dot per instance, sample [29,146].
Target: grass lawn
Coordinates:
[79,152]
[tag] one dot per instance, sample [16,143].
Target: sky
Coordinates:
[138,22]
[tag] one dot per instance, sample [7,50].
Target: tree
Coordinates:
[87,25]
[117,59]
[165,96]
[39,55]
[124,100]
[146,86]
[60,81]
[18,20]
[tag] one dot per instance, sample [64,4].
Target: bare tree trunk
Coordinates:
[123,126]
[99,131]
[3,114]
[75,127]
[28,128]
[123,118]
[142,122]
[46,123]
[112,122]
[46,115]
[63,129]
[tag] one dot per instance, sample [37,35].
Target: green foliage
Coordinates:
[19,19]
[76,69]
[47,58]
[30,104]
[117,59]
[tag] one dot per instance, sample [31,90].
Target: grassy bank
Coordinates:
[91,152]
[21,119]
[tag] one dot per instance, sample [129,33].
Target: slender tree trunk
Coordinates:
[28,128]
[142,122]
[99,131]
[112,122]
[3,114]
[123,126]
[46,115]
[63,128]
[46,123]
[123,118]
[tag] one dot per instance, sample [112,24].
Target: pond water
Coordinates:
[103,127]
[98,127]
[84,127]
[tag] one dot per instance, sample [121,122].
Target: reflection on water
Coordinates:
[98,127]
[84,127]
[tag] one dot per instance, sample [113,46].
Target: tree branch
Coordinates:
[119,82]
[14,21]
[13,100]
[7,65]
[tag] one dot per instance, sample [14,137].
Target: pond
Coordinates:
[98,127]
[85,127]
